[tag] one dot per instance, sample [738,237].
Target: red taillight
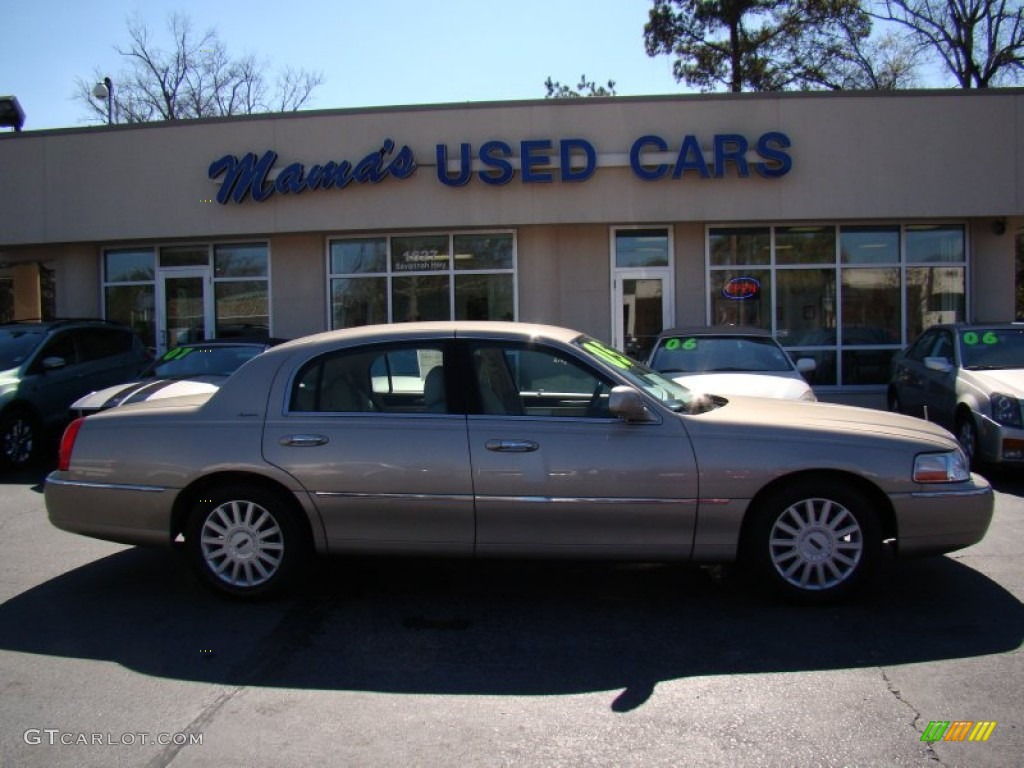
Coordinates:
[67,444]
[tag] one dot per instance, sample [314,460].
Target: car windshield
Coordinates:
[672,394]
[712,354]
[992,348]
[16,345]
[199,360]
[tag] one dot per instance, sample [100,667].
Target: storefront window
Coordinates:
[639,248]
[129,291]
[869,245]
[850,308]
[484,297]
[242,308]
[742,297]
[243,260]
[185,256]
[128,265]
[358,301]
[483,251]
[466,276]
[241,303]
[420,254]
[743,245]
[805,245]
[934,295]
[420,297]
[930,244]
[351,257]
[1020,277]
[133,305]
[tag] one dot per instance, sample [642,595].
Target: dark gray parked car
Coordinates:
[46,366]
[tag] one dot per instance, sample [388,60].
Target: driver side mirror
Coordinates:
[53,363]
[629,405]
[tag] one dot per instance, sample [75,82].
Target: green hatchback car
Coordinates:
[46,366]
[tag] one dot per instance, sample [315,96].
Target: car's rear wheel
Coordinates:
[19,438]
[813,541]
[246,542]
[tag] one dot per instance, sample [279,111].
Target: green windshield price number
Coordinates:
[611,356]
[688,345]
[971,338]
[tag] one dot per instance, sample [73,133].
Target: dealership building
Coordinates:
[844,223]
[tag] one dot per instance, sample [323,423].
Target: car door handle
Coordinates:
[511,446]
[303,441]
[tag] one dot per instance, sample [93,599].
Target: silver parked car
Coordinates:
[508,439]
[731,360]
[969,379]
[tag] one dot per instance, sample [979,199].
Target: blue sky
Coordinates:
[387,52]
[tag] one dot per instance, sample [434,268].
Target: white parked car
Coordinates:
[187,369]
[731,360]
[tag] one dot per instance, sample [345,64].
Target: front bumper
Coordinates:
[935,520]
[999,444]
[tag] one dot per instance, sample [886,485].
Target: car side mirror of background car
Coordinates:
[940,364]
[806,365]
[629,405]
[53,363]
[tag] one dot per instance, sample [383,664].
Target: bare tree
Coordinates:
[981,42]
[196,78]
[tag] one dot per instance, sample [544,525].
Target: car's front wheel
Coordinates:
[967,436]
[246,542]
[19,438]
[814,541]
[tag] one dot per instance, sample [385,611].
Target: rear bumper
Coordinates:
[935,521]
[126,514]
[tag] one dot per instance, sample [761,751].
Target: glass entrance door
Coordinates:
[185,307]
[642,306]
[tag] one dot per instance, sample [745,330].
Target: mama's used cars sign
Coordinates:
[498,162]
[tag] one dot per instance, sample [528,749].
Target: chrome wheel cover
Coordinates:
[242,544]
[18,441]
[816,544]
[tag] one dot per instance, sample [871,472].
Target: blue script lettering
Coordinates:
[247,176]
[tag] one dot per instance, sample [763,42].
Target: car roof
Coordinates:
[485,329]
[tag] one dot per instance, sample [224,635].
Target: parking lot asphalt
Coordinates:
[115,656]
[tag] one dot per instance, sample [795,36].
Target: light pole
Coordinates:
[105,90]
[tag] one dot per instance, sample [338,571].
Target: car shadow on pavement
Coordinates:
[499,628]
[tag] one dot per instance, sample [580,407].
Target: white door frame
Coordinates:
[163,275]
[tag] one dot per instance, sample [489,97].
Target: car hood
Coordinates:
[1008,382]
[150,389]
[794,420]
[780,385]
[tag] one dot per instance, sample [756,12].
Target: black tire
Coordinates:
[247,542]
[893,401]
[19,438]
[967,436]
[813,541]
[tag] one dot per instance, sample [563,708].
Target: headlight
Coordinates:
[1006,410]
[950,467]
